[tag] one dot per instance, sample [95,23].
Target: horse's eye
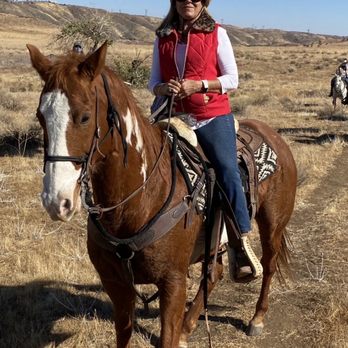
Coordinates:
[85,118]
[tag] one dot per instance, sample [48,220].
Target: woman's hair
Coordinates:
[173,16]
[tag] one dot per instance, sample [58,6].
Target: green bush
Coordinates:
[133,71]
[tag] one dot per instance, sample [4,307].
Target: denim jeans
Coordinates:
[218,141]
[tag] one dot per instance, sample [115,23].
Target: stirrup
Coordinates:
[251,262]
[253,259]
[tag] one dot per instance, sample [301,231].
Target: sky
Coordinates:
[314,16]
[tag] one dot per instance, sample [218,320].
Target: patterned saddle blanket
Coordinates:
[257,161]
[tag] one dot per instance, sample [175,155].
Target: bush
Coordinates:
[10,103]
[90,30]
[246,76]
[133,71]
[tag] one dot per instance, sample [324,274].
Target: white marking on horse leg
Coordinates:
[60,179]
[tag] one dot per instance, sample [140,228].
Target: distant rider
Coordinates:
[342,71]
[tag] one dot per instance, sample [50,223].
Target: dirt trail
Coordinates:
[291,320]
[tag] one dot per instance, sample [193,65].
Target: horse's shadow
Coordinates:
[31,310]
[34,308]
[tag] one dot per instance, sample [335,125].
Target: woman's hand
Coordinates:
[168,88]
[189,87]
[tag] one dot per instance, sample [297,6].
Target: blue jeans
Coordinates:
[218,141]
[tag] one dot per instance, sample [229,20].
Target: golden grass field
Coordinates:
[50,294]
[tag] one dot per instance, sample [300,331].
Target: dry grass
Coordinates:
[50,293]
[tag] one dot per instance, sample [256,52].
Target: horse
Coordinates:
[339,90]
[129,166]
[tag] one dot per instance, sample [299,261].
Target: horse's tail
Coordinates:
[284,258]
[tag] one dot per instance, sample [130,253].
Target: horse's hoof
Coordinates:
[254,330]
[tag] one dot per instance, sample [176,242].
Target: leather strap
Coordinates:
[141,240]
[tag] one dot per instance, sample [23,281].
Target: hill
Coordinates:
[141,28]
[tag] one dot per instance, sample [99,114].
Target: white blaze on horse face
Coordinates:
[132,128]
[60,180]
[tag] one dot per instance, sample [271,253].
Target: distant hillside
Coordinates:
[141,28]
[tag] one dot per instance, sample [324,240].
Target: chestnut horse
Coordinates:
[129,165]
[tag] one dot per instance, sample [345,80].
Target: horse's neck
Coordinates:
[122,173]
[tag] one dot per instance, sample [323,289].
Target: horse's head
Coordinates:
[67,115]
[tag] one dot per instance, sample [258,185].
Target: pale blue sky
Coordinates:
[316,16]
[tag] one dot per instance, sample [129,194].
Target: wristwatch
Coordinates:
[205,86]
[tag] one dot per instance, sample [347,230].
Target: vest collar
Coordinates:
[204,23]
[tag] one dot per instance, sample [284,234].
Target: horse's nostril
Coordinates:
[65,206]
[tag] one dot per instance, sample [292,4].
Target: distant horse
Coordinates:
[339,90]
[129,164]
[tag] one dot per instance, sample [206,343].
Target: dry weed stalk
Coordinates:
[319,272]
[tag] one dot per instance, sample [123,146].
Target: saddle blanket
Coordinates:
[266,161]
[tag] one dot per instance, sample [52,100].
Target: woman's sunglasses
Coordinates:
[194,1]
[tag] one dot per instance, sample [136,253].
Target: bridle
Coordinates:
[113,118]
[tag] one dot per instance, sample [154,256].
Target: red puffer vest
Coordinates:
[200,64]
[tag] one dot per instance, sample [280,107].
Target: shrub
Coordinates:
[246,76]
[10,103]
[91,30]
[133,71]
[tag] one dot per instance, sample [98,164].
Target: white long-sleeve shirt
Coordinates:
[225,56]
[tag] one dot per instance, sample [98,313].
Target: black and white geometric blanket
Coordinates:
[266,161]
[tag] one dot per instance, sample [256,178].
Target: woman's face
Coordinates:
[189,10]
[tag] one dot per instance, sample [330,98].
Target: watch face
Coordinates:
[205,85]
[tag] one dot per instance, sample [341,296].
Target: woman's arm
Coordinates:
[156,85]
[227,62]
[155,76]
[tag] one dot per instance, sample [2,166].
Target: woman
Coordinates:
[193,59]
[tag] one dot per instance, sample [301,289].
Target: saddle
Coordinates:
[248,142]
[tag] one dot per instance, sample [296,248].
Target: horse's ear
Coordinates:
[93,65]
[39,62]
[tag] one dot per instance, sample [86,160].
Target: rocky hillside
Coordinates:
[141,28]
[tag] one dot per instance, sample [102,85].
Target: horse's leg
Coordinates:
[123,299]
[122,296]
[271,234]
[192,315]
[172,307]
